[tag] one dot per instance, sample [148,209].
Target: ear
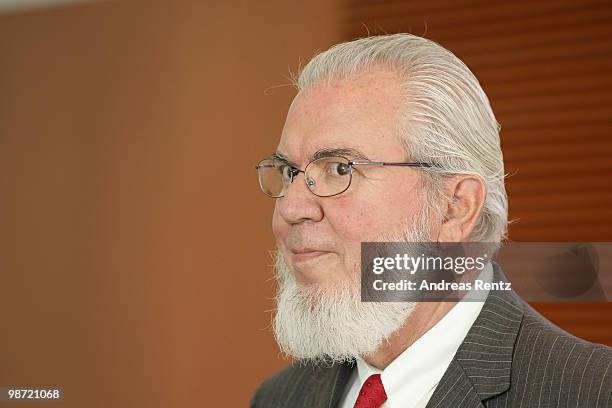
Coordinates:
[466,195]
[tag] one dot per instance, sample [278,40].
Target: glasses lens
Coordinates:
[328,176]
[274,175]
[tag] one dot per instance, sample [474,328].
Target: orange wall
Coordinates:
[134,239]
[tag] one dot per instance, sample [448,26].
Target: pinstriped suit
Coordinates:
[511,357]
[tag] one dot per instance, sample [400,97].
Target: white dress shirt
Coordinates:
[412,377]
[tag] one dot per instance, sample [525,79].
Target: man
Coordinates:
[391,138]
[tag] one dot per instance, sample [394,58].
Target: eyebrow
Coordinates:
[348,152]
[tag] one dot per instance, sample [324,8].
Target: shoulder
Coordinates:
[539,335]
[290,384]
[303,384]
[552,365]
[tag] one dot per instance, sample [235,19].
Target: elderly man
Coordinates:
[391,138]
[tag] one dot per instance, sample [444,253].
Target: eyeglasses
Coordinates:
[325,176]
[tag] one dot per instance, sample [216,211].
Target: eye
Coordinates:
[286,172]
[339,169]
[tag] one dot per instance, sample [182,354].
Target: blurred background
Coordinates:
[134,242]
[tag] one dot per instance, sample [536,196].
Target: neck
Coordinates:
[423,318]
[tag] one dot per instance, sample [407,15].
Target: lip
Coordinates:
[303,255]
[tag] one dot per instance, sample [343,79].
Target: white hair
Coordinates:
[447,118]
[332,325]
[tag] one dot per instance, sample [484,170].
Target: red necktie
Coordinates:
[372,394]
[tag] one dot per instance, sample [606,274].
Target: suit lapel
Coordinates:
[482,365]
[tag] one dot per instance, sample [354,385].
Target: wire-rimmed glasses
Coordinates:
[324,177]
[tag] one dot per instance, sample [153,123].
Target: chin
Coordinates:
[316,281]
[330,287]
[323,274]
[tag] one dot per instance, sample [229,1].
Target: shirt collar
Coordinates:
[419,368]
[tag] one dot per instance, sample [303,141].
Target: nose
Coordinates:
[299,204]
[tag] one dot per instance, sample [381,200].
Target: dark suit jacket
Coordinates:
[511,357]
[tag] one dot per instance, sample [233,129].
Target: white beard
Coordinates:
[334,326]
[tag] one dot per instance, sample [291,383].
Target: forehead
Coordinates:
[360,112]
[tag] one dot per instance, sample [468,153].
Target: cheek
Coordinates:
[355,221]
[279,227]
[369,219]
